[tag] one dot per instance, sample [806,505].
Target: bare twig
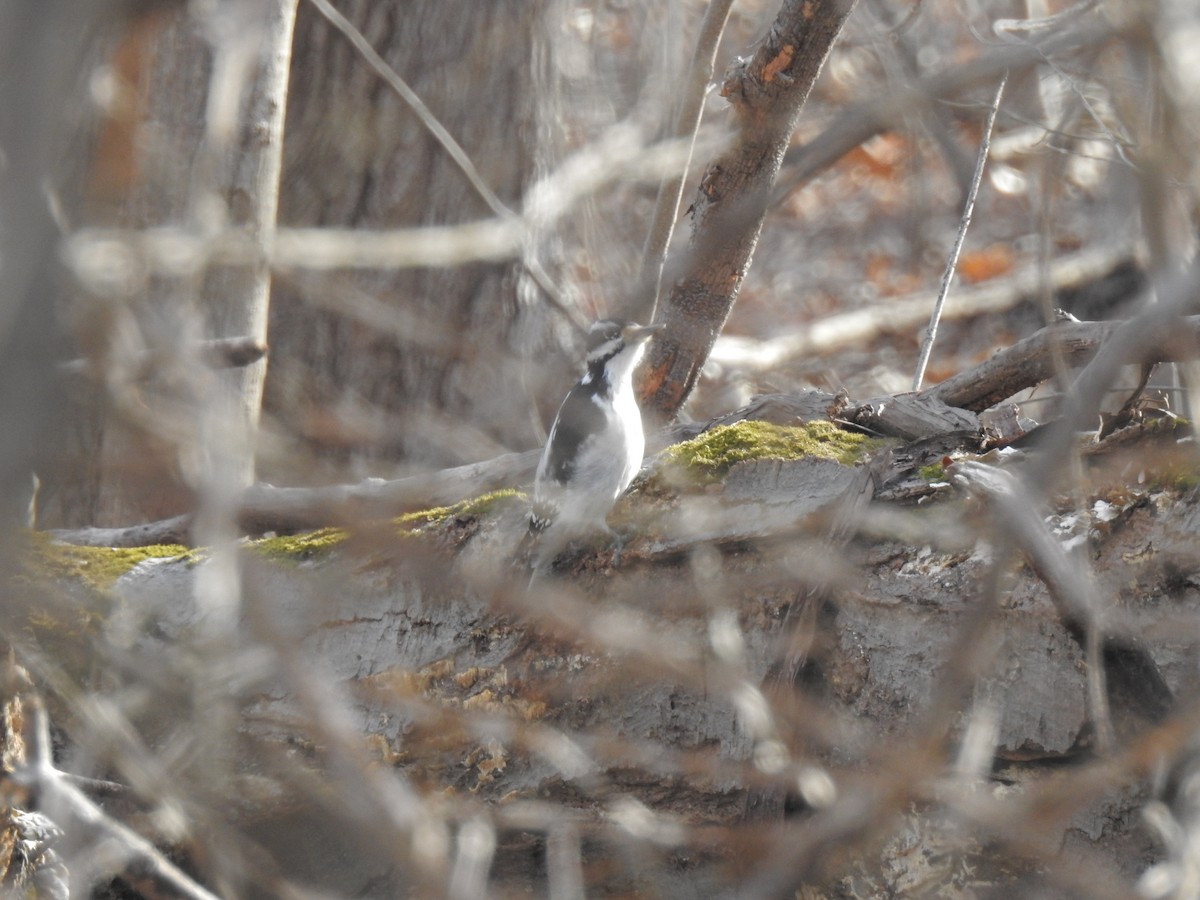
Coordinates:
[442,135]
[963,225]
[59,793]
[217,353]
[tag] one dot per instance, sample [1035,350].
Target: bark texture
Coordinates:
[766,95]
[429,365]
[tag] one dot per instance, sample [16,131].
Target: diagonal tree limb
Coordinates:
[1029,362]
[414,102]
[766,94]
[452,147]
[863,121]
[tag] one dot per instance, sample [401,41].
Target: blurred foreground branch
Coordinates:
[861,122]
[117,261]
[860,327]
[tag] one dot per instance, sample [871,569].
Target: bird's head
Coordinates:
[616,341]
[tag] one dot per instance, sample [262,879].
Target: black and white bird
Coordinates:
[596,444]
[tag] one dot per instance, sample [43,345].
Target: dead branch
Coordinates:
[164,531]
[930,334]
[1030,362]
[265,507]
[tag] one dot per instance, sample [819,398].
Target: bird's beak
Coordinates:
[642,332]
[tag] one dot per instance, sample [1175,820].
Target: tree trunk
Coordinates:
[429,365]
[43,54]
[193,140]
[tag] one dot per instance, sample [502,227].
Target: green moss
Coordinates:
[98,567]
[300,546]
[1175,479]
[711,455]
[315,543]
[474,507]
[932,473]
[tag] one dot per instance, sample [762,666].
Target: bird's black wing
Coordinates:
[578,419]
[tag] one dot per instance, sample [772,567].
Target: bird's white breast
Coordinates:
[605,462]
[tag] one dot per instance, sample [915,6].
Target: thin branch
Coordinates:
[416,104]
[59,793]
[963,225]
[687,124]
[216,353]
[442,135]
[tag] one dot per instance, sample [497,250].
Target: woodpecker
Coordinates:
[596,443]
